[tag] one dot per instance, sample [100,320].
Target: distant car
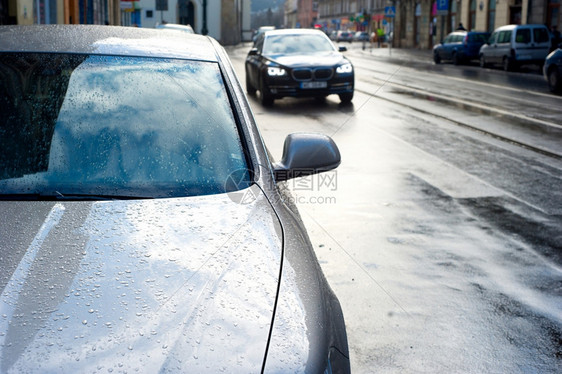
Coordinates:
[514,45]
[174,26]
[143,226]
[460,47]
[344,36]
[552,71]
[261,30]
[333,35]
[361,36]
[298,63]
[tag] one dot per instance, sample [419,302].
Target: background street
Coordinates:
[441,230]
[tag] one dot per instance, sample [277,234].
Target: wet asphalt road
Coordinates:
[443,244]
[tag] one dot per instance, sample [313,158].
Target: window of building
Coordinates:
[472,15]
[452,16]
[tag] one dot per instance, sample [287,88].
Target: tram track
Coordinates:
[550,130]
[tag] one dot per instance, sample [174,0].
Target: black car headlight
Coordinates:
[344,69]
[276,71]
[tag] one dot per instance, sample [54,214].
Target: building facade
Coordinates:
[30,12]
[307,13]
[291,19]
[228,21]
[423,23]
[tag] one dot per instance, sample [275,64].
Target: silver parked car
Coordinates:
[514,45]
[143,226]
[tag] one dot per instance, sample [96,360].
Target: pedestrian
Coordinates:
[380,36]
[461,27]
[555,38]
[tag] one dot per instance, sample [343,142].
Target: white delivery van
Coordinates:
[516,45]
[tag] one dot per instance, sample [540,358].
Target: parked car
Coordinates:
[460,47]
[333,35]
[298,63]
[144,228]
[361,36]
[552,70]
[344,36]
[516,45]
[174,26]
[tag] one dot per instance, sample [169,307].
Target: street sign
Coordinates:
[389,11]
[442,7]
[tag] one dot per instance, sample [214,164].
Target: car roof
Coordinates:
[511,27]
[293,32]
[175,26]
[107,40]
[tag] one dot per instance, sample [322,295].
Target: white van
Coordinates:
[515,45]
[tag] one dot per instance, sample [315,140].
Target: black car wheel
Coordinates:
[456,59]
[483,62]
[266,98]
[436,58]
[554,82]
[346,98]
[508,64]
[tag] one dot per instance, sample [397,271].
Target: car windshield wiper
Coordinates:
[57,196]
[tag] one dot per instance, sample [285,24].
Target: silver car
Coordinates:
[143,227]
[516,45]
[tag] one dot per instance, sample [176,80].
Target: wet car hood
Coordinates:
[308,60]
[184,284]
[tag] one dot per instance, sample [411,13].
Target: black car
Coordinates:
[460,47]
[552,70]
[298,63]
[143,226]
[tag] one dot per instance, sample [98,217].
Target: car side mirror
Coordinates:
[342,48]
[253,52]
[306,154]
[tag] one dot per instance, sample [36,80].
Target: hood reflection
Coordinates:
[144,285]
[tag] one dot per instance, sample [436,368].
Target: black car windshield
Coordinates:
[297,44]
[83,125]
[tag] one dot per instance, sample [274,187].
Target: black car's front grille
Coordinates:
[323,73]
[306,74]
[302,74]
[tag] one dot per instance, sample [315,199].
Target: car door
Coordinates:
[457,44]
[444,50]
[522,43]
[254,61]
[541,41]
[503,46]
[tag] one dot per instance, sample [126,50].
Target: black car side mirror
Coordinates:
[253,52]
[342,48]
[306,154]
